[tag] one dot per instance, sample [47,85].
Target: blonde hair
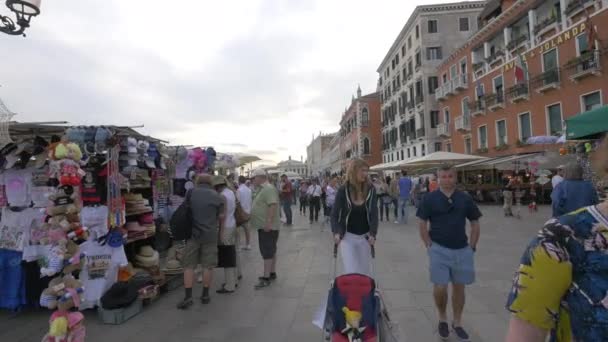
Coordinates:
[357,189]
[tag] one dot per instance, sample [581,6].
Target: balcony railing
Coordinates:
[448,88]
[495,101]
[547,80]
[419,100]
[516,42]
[463,123]
[518,92]
[443,130]
[576,6]
[545,23]
[420,132]
[440,94]
[477,107]
[587,64]
[496,58]
[460,82]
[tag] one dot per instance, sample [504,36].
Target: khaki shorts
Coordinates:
[198,252]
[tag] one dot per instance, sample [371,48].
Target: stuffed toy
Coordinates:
[67,150]
[70,173]
[64,257]
[64,294]
[65,201]
[353,330]
[56,295]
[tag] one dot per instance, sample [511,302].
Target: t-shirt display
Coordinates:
[15,227]
[17,185]
[99,270]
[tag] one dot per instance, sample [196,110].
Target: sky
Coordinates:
[253,76]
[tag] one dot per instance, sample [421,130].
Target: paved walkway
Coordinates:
[284,311]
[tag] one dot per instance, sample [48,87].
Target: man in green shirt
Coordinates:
[265,218]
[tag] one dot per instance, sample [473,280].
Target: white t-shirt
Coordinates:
[331,195]
[99,270]
[15,227]
[315,190]
[245,197]
[556,180]
[95,219]
[229,220]
[18,184]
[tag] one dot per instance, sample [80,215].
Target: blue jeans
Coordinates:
[402,211]
[286,204]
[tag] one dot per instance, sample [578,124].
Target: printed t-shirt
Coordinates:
[15,227]
[17,186]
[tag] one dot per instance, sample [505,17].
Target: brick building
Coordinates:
[360,130]
[530,66]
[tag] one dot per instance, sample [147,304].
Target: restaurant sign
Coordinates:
[549,45]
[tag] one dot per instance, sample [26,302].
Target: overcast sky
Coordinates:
[258,76]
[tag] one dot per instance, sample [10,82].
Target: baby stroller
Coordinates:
[356,295]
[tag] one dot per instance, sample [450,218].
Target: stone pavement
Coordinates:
[284,311]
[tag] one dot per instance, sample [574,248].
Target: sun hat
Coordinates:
[147,257]
[146,219]
[218,180]
[259,173]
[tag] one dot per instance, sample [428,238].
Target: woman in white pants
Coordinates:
[354,219]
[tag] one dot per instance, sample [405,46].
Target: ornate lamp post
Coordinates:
[24,11]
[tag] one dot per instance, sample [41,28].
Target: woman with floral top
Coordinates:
[561,286]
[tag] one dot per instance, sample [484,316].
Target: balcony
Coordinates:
[575,7]
[547,81]
[420,132]
[463,123]
[411,106]
[477,107]
[519,92]
[448,88]
[585,65]
[419,100]
[479,69]
[495,101]
[440,94]
[443,130]
[461,82]
[515,44]
[498,58]
[546,25]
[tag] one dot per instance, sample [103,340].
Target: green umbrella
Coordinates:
[587,124]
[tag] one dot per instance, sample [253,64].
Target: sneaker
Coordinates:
[184,304]
[461,333]
[273,277]
[264,282]
[223,290]
[205,299]
[444,330]
[246,248]
[396,222]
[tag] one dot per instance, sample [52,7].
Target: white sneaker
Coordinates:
[396,222]
[246,248]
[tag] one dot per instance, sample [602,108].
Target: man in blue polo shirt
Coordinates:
[405,190]
[450,252]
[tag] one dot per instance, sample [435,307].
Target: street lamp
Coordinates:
[24,11]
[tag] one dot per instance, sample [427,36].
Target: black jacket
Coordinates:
[343,206]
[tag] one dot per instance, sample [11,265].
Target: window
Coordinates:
[423,148]
[433,53]
[437,147]
[408,153]
[397,59]
[550,67]
[464,24]
[417,31]
[414,151]
[498,86]
[364,117]
[467,145]
[433,84]
[483,136]
[384,159]
[463,66]
[525,127]
[453,72]
[446,115]
[444,78]
[448,147]
[434,118]
[554,119]
[402,155]
[465,107]
[591,101]
[501,133]
[409,42]
[418,59]
[432,26]
[403,51]
[582,44]
[410,67]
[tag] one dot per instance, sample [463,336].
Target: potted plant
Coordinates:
[520,143]
[482,150]
[501,147]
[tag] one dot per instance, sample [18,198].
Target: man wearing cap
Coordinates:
[265,218]
[286,197]
[207,208]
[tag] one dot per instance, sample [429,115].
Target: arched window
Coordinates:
[364,117]
[365,146]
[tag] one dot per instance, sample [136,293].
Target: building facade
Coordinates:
[531,65]
[331,163]
[291,165]
[360,131]
[408,79]
[316,151]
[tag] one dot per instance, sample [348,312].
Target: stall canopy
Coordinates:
[588,124]
[246,158]
[438,158]
[386,166]
[501,163]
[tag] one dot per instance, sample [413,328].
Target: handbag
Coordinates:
[240,215]
[180,225]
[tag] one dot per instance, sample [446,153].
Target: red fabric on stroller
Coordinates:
[357,292]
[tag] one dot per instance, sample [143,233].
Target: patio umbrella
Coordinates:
[588,124]
[542,140]
[438,158]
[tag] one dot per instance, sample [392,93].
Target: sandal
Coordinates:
[184,304]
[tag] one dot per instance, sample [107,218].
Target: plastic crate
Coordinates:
[119,316]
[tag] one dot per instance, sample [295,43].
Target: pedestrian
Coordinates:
[450,252]
[296,188]
[303,197]
[354,219]
[394,193]
[244,196]
[507,194]
[265,219]
[573,192]
[405,191]
[559,177]
[314,198]
[433,185]
[286,196]
[417,191]
[227,242]
[560,285]
[381,193]
[331,189]
[207,208]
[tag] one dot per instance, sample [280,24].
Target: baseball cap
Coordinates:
[258,173]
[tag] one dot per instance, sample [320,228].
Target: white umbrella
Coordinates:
[438,158]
